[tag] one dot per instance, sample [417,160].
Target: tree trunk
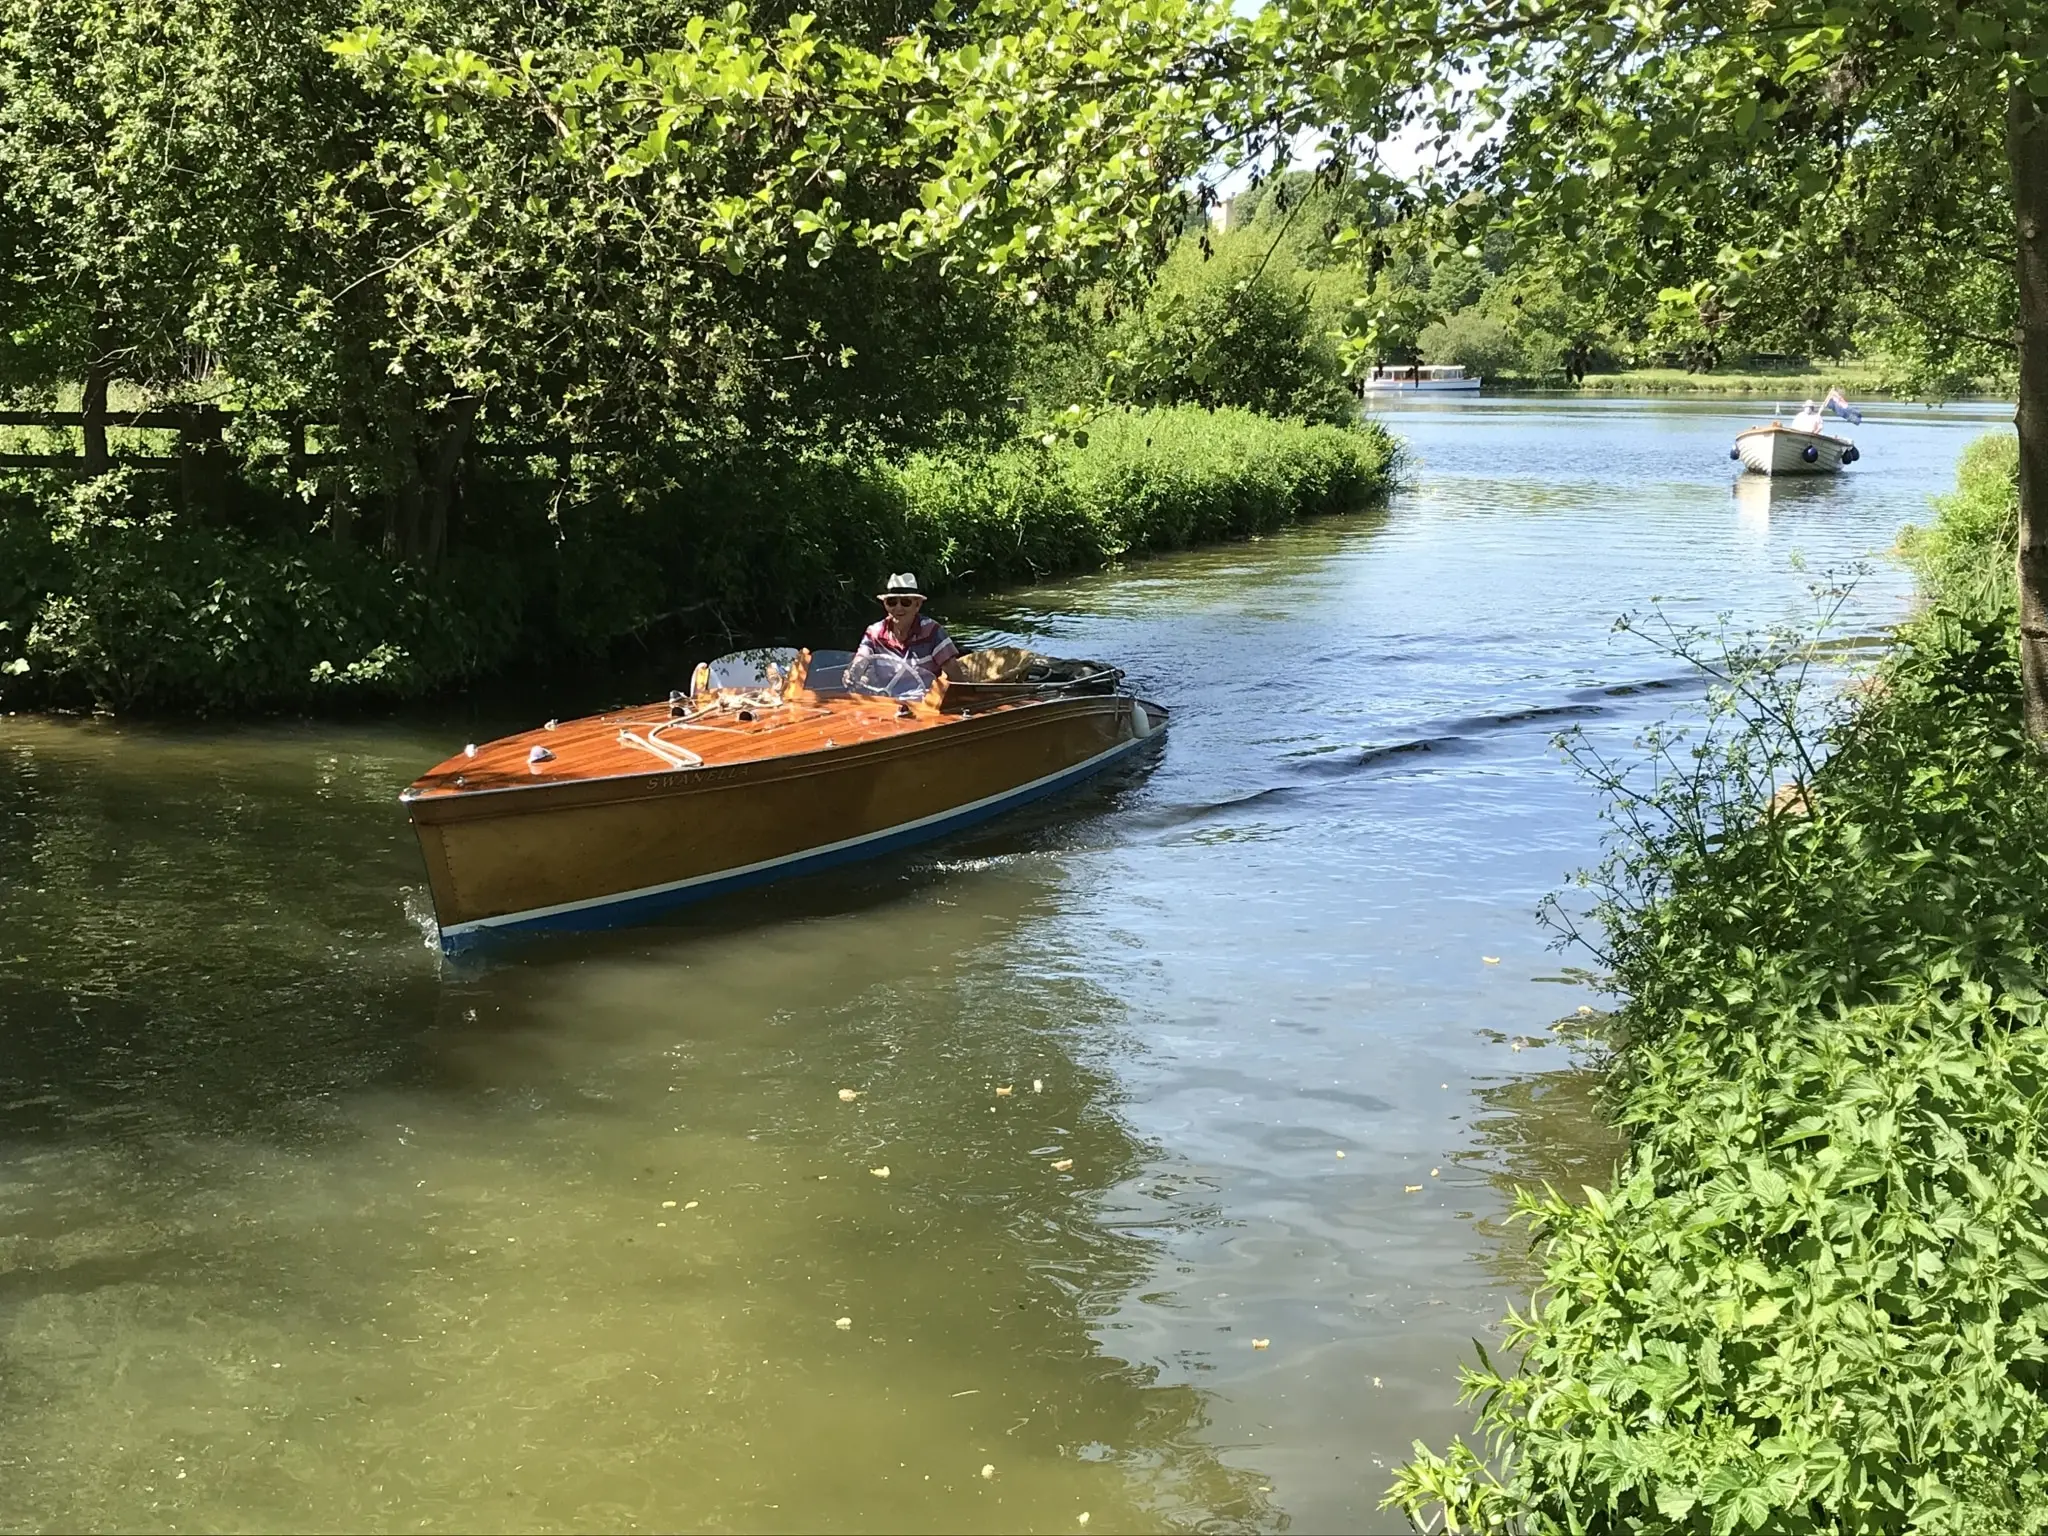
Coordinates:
[2026,144]
[458,429]
[93,406]
[202,472]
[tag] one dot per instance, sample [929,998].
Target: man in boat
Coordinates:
[904,641]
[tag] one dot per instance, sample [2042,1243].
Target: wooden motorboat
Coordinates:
[1795,450]
[773,764]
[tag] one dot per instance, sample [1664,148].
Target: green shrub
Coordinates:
[112,595]
[1141,481]
[136,607]
[1234,330]
[1815,1295]
[1968,560]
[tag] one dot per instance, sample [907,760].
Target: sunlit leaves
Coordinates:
[1045,146]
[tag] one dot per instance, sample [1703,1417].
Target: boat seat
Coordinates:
[1009,671]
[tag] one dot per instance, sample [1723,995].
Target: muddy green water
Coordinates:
[302,1227]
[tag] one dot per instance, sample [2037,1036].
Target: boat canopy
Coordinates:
[1426,373]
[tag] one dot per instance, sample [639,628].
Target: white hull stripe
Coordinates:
[609,911]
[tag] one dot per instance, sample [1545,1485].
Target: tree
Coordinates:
[651,207]
[1231,331]
[731,235]
[216,199]
[1745,160]
[1479,343]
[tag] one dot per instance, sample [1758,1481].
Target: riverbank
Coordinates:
[116,595]
[1815,1296]
[1858,380]
[1855,379]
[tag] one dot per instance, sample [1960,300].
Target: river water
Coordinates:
[302,1227]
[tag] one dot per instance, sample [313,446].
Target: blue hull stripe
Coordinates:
[628,907]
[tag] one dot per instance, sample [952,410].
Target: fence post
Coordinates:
[93,408]
[201,439]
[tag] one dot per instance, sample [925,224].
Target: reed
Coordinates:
[1967,558]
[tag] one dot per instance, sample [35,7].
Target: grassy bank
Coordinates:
[1815,1295]
[1790,386]
[117,594]
[1856,379]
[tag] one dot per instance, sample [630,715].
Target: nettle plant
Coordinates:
[1732,781]
[1815,1295]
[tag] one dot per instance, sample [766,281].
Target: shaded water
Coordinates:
[302,1227]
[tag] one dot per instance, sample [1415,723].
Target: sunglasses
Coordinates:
[901,602]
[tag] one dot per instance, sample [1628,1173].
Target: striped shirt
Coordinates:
[928,647]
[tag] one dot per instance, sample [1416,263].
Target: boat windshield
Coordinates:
[765,667]
[827,672]
[897,677]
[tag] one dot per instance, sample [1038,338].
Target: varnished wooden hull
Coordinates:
[605,851]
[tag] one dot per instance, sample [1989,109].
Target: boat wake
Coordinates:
[418,905]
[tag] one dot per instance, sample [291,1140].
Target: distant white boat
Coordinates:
[1419,378]
[1802,448]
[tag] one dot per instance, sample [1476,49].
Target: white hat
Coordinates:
[901,584]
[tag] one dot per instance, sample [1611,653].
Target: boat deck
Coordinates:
[630,741]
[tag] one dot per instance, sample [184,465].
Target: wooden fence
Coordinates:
[201,429]
[202,439]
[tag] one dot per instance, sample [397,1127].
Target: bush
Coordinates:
[1968,560]
[110,595]
[1482,345]
[134,607]
[1143,480]
[1232,331]
[1815,1297]
[1164,480]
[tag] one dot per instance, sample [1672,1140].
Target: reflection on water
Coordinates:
[300,1226]
[349,1242]
[1536,1130]
[1757,496]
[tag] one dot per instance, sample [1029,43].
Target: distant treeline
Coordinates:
[1380,291]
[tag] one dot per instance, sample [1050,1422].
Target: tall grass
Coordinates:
[1143,481]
